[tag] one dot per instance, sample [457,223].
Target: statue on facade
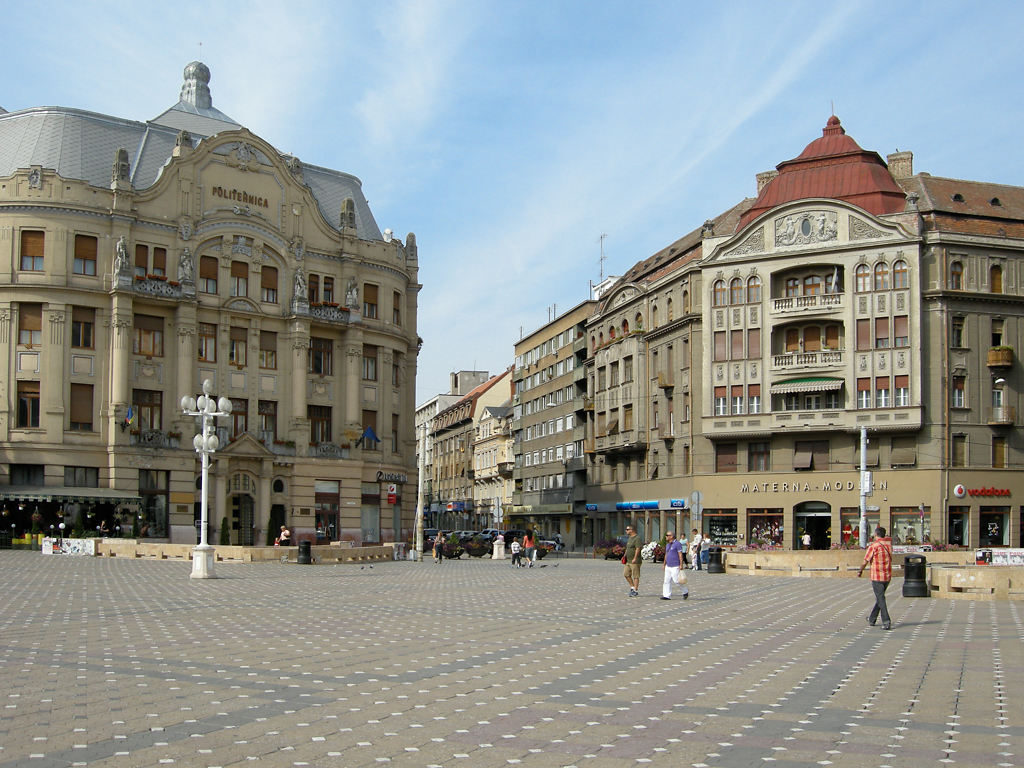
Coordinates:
[352,294]
[122,264]
[300,284]
[186,267]
[121,171]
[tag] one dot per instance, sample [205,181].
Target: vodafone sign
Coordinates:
[960,491]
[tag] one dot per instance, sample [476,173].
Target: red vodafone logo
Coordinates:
[989,491]
[959,491]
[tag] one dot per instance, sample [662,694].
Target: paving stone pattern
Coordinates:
[109,662]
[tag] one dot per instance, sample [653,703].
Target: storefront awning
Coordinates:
[807,384]
[67,494]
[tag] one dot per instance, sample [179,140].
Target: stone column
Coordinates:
[298,341]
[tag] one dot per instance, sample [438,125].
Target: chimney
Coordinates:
[901,165]
[764,178]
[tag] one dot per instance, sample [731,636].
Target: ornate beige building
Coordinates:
[851,293]
[142,258]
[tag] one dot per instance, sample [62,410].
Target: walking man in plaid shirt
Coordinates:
[879,554]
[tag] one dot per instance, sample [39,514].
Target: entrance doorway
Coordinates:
[813,518]
[242,520]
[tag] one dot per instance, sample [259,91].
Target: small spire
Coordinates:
[833,127]
[196,89]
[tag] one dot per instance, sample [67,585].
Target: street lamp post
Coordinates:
[205,443]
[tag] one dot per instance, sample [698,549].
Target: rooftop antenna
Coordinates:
[601,260]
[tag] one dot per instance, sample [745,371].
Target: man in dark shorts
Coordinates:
[631,570]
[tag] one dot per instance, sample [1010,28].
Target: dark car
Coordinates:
[514,533]
[429,534]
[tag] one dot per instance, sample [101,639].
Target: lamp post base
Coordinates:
[203,558]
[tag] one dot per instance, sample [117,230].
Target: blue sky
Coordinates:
[510,135]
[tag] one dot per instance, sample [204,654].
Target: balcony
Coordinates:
[575,464]
[794,305]
[1001,416]
[1000,357]
[579,344]
[625,441]
[790,361]
[666,380]
[330,313]
[159,286]
[588,403]
[154,438]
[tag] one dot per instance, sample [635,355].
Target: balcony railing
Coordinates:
[1002,416]
[816,303]
[792,360]
[1000,357]
[624,441]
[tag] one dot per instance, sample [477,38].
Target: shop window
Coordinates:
[764,528]
[153,490]
[720,526]
[994,526]
[85,255]
[849,525]
[959,518]
[911,525]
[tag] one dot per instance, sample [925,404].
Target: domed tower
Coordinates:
[196,88]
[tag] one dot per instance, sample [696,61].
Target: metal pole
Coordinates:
[203,495]
[864,487]
[418,542]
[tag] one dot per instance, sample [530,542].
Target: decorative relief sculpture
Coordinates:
[352,295]
[298,248]
[122,264]
[121,171]
[753,244]
[241,246]
[300,285]
[186,267]
[183,139]
[185,228]
[805,228]
[35,179]
[861,230]
[624,296]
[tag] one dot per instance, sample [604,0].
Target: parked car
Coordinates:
[513,533]
[555,542]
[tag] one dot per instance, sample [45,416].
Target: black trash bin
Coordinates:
[715,564]
[915,583]
[305,553]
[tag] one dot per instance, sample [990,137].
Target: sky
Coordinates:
[510,136]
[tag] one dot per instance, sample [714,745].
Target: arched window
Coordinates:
[654,316]
[881,276]
[812,285]
[611,332]
[600,339]
[792,286]
[754,289]
[900,275]
[995,279]
[670,311]
[863,275]
[956,276]
[718,299]
[625,327]
[735,291]
[593,343]
[639,321]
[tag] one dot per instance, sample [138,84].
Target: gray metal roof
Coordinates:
[78,144]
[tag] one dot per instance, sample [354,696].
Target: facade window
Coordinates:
[83,324]
[238,346]
[141,260]
[268,284]
[32,242]
[791,402]
[959,457]
[206,342]
[149,336]
[148,405]
[956,333]
[159,266]
[718,294]
[736,293]
[959,392]
[85,255]
[758,457]
[28,404]
[900,275]
[998,452]
[319,423]
[369,423]
[901,331]
[394,436]
[736,344]
[82,477]
[725,457]
[902,394]
[239,278]
[627,369]
[864,394]
[721,353]
[239,417]
[328,290]
[863,334]
[754,398]
[737,400]
[30,325]
[881,276]
[721,403]
[268,350]
[321,356]
[792,287]
[881,333]
[831,401]
[995,281]
[863,278]
[956,276]
[154,492]
[627,418]
[754,289]
[313,289]
[396,308]
[208,274]
[266,410]
[997,332]
[369,362]
[812,285]
[396,368]
[812,338]
[882,392]
[370,301]
[81,408]
[613,374]
[792,340]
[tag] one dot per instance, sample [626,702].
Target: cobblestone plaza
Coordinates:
[114,662]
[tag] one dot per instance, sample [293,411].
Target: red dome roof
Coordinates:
[834,167]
